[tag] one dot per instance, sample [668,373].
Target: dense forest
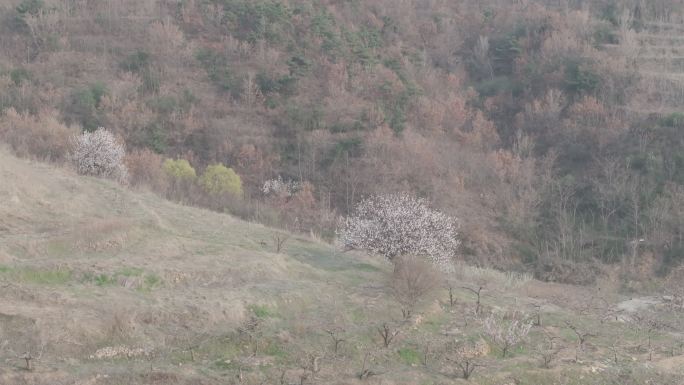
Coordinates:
[554,130]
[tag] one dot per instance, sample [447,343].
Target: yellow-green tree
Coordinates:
[219,180]
[179,170]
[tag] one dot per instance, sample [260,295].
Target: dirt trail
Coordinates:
[634,305]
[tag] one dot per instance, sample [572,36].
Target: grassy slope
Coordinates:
[86,264]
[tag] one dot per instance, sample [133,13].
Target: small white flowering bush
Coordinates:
[393,225]
[111,352]
[278,187]
[98,153]
[507,333]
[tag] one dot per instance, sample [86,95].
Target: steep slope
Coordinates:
[85,265]
[103,285]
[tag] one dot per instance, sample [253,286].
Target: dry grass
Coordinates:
[193,297]
[491,277]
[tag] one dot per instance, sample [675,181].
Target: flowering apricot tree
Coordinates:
[393,225]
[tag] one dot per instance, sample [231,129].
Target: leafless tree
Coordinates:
[465,356]
[251,329]
[648,323]
[477,293]
[452,299]
[582,337]
[336,337]
[28,358]
[615,347]
[388,333]
[366,372]
[412,281]
[279,240]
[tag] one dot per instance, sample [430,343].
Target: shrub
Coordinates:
[19,76]
[397,224]
[507,333]
[219,72]
[219,180]
[145,169]
[579,78]
[137,62]
[30,7]
[413,280]
[675,119]
[99,153]
[181,177]
[85,104]
[179,169]
[42,137]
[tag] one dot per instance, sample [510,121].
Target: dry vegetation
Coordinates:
[105,286]
[552,126]
[533,149]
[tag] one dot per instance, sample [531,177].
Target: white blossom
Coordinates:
[98,153]
[397,224]
[507,333]
[111,352]
[280,188]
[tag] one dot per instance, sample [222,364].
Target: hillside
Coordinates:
[104,285]
[552,128]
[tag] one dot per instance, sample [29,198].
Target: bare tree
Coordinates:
[548,350]
[366,372]
[279,240]
[337,339]
[615,347]
[413,280]
[477,292]
[582,337]
[251,329]
[465,356]
[388,333]
[648,324]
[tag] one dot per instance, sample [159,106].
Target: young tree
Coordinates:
[582,337]
[397,224]
[99,153]
[506,334]
[466,356]
[413,280]
[218,180]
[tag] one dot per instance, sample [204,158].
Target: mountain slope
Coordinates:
[85,264]
[104,285]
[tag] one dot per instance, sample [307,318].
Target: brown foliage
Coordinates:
[145,169]
[41,137]
[413,280]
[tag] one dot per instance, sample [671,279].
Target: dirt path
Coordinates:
[634,305]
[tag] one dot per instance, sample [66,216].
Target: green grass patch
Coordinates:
[103,280]
[150,282]
[434,323]
[366,267]
[274,350]
[358,315]
[223,365]
[409,356]
[262,311]
[37,276]
[44,277]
